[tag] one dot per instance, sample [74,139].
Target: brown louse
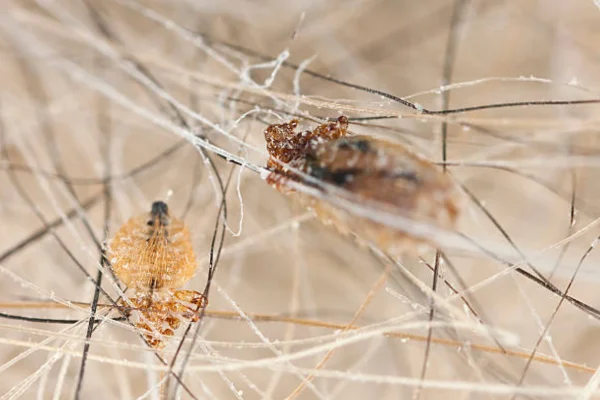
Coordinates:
[372,170]
[152,254]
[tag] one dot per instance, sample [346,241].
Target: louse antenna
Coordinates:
[169,195]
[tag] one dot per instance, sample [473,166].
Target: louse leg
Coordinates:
[173,322]
[185,311]
[134,304]
[137,303]
[192,297]
[153,341]
[278,180]
[332,130]
[197,299]
[125,307]
[157,316]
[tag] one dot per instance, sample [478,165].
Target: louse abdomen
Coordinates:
[153,256]
[373,171]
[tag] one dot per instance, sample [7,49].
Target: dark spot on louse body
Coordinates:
[343,176]
[344,144]
[318,172]
[361,145]
[406,175]
[338,177]
[155,284]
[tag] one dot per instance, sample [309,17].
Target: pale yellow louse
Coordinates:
[152,254]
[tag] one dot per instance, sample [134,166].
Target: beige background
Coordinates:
[73,103]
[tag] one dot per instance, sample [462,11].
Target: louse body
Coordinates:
[152,254]
[153,251]
[372,171]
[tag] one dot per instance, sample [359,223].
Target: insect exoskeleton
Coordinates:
[153,254]
[153,251]
[370,171]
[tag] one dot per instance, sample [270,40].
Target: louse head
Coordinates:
[159,208]
[159,214]
[327,132]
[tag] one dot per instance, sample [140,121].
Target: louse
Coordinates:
[373,170]
[153,255]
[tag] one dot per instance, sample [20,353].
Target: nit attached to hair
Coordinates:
[153,255]
[372,170]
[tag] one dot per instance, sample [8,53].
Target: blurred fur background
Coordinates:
[96,95]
